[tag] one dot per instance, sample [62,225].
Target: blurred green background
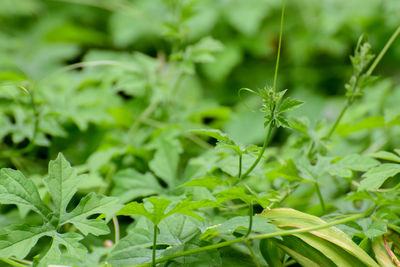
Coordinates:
[84,108]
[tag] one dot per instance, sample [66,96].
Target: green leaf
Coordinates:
[187,206]
[130,184]
[201,52]
[209,182]
[155,215]
[327,240]
[18,240]
[166,159]
[375,229]
[271,253]
[74,252]
[298,257]
[16,189]
[260,225]
[386,156]
[92,204]
[375,177]
[217,134]
[355,162]
[289,104]
[234,193]
[62,184]
[381,253]
[132,249]
[300,251]
[287,170]
[158,211]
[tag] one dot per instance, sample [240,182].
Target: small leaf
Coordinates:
[289,104]
[375,177]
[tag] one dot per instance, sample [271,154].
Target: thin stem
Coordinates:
[11,262]
[22,261]
[253,255]
[383,51]
[321,199]
[279,45]
[338,119]
[250,219]
[263,236]
[240,165]
[390,252]
[266,141]
[154,246]
[116,229]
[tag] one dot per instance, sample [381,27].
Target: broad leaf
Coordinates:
[64,249]
[16,189]
[92,204]
[132,249]
[166,159]
[331,239]
[17,241]
[130,184]
[288,171]
[210,182]
[62,184]
[375,177]
[381,253]
[386,156]
[303,253]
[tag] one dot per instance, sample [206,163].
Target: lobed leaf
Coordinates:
[16,189]
[375,177]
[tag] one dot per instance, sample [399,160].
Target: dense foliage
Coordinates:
[161,132]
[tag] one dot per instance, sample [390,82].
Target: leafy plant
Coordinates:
[161,146]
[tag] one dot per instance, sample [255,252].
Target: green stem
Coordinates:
[383,51]
[266,141]
[321,199]
[21,261]
[279,45]
[154,246]
[11,262]
[250,219]
[338,119]
[253,255]
[240,166]
[263,236]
